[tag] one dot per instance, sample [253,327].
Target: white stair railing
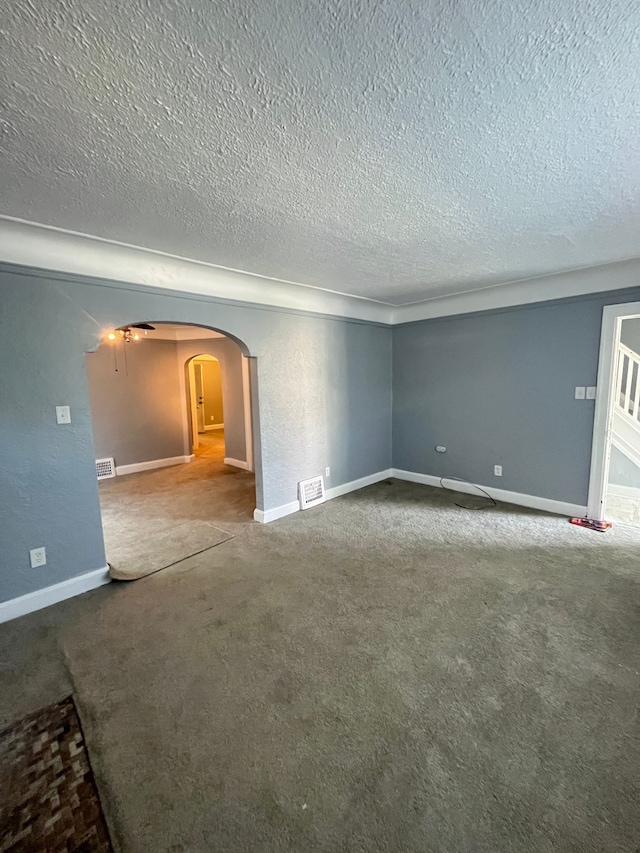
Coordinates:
[628,383]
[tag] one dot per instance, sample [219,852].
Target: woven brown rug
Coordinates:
[48,797]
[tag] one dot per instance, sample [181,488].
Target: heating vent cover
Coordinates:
[105,468]
[311,492]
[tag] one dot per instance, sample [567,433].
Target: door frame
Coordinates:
[193,414]
[612,317]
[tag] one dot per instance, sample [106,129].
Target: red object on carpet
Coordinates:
[592,524]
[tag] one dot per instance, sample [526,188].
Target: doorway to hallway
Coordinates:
[170,409]
[614,492]
[205,398]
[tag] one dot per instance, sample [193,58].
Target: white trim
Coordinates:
[264,517]
[354,485]
[612,316]
[246,403]
[237,463]
[267,515]
[578,282]
[208,427]
[135,467]
[530,501]
[40,598]
[47,247]
[623,491]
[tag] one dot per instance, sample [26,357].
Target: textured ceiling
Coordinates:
[397,151]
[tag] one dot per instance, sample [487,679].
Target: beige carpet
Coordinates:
[146,553]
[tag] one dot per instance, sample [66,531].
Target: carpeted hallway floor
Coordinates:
[142,512]
[385,672]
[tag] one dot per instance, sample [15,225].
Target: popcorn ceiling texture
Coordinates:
[398,151]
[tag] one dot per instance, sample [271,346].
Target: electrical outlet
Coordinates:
[63,415]
[211,417]
[497,470]
[591,392]
[38,557]
[327,472]
[580,392]
[440,448]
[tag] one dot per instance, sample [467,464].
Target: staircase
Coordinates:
[626,410]
[623,492]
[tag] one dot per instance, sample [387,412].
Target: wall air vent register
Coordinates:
[311,492]
[105,468]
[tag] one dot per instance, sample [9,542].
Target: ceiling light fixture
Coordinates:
[129,333]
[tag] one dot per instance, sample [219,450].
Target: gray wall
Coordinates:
[498,388]
[494,387]
[323,386]
[622,471]
[630,334]
[137,411]
[229,355]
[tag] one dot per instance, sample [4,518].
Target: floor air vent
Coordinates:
[311,492]
[105,468]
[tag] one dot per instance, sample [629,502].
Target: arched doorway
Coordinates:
[163,501]
[206,403]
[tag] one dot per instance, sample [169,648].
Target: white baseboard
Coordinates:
[237,463]
[264,517]
[49,595]
[530,501]
[267,515]
[354,485]
[153,463]
[207,427]
[617,491]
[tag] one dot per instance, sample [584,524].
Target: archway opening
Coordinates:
[173,431]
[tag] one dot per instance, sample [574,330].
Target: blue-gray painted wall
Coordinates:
[324,388]
[494,387]
[498,388]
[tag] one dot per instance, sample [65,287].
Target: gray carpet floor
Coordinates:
[385,672]
[154,519]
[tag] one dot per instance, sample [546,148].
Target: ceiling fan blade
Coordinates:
[144,326]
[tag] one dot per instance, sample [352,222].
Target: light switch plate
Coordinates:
[63,415]
[591,392]
[580,392]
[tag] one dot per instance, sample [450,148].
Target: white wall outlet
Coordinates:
[63,414]
[38,557]
[580,392]
[497,470]
[591,392]
[440,448]
[211,417]
[327,472]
